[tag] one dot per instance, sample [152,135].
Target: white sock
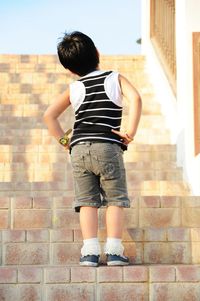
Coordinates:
[114,246]
[91,246]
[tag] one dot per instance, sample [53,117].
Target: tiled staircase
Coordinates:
[40,235]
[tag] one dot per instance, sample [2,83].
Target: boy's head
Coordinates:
[78,53]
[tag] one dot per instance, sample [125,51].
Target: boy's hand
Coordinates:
[126,139]
[67,147]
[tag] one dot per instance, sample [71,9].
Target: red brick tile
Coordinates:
[63,292]
[175,291]
[188,273]
[13,236]
[119,292]
[29,274]
[170,202]
[150,201]
[4,219]
[4,202]
[162,274]
[133,234]
[190,217]
[28,292]
[78,236]
[83,274]
[8,275]
[66,253]
[63,202]
[19,254]
[154,234]
[38,235]
[57,275]
[33,218]
[135,274]
[195,234]
[8,292]
[109,274]
[134,251]
[22,202]
[42,203]
[180,252]
[170,253]
[66,218]
[178,234]
[62,235]
[159,217]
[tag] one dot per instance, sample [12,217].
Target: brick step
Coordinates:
[37,83]
[152,121]
[145,213]
[145,138]
[30,122]
[139,166]
[28,85]
[7,60]
[27,81]
[19,102]
[34,247]
[38,136]
[55,147]
[30,253]
[149,108]
[32,174]
[37,172]
[23,107]
[151,187]
[150,161]
[37,109]
[137,283]
[46,63]
[51,157]
[41,136]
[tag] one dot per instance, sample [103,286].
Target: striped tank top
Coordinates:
[95,112]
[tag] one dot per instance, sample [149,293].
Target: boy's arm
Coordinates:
[61,103]
[135,108]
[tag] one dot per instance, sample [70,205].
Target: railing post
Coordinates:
[196,83]
[162,33]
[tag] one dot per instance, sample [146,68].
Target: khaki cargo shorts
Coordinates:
[99,175]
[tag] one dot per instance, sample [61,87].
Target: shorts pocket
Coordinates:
[111,164]
[77,161]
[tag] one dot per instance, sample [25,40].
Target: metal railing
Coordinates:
[163,36]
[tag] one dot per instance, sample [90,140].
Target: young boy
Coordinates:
[97,144]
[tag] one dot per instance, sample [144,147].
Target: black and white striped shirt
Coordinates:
[97,114]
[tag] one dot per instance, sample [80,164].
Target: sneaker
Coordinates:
[117,260]
[89,260]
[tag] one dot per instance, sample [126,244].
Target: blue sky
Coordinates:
[34,26]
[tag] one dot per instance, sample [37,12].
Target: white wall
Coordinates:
[167,99]
[179,110]
[192,24]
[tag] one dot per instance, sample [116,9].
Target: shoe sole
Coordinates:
[89,264]
[113,263]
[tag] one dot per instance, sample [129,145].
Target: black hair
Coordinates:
[77,53]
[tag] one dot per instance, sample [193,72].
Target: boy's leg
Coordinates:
[114,221]
[89,222]
[89,227]
[113,247]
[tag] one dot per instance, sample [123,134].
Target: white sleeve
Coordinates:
[77,94]
[113,89]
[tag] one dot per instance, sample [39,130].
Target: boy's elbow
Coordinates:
[140,101]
